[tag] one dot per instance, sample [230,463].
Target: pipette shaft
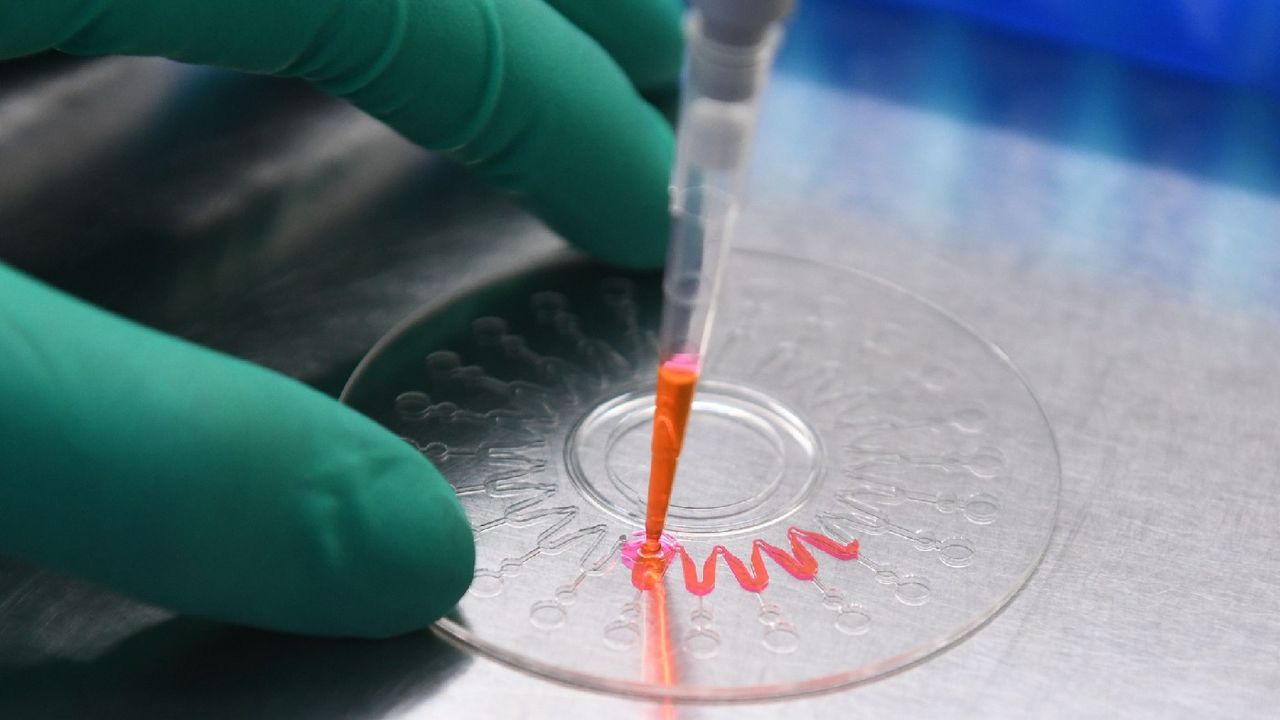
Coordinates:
[730,48]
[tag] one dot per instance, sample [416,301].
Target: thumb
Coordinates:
[209,485]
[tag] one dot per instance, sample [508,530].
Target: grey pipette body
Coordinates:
[730,46]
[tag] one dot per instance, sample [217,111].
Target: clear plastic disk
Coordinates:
[864,481]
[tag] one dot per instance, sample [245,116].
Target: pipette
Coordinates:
[730,45]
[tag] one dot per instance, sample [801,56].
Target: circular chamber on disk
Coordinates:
[749,460]
[864,481]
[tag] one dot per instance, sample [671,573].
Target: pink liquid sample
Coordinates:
[648,568]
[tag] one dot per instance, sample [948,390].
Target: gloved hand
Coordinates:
[214,487]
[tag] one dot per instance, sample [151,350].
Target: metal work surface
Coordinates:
[1110,227]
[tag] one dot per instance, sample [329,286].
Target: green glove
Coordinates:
[217,488]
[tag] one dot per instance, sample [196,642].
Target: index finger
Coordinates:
[511,88]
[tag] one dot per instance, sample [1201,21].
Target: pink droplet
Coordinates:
[683,361]
[632,549]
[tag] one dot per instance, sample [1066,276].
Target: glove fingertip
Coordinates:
[419,556]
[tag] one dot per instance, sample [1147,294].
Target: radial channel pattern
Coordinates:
[864,480]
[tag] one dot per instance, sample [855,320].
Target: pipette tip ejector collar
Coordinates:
[740,22]
[730,44]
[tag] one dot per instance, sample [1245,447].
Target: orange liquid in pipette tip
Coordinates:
[677,379]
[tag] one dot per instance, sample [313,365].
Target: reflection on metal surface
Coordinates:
[891,463]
